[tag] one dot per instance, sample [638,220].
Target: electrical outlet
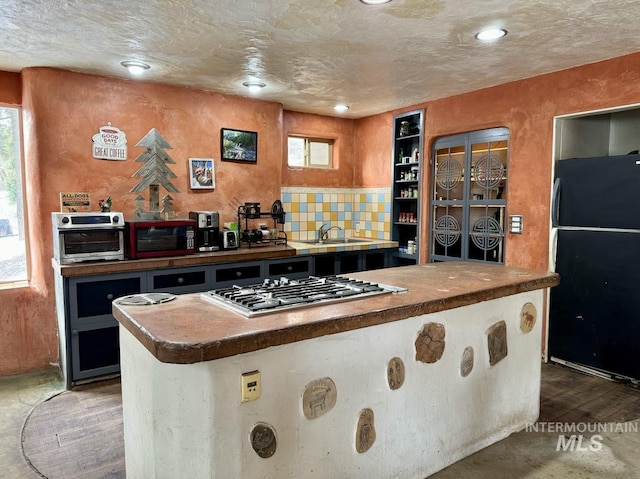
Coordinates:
[357,227]
[250,386]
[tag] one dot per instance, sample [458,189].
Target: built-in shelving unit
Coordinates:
[406,187]
[468,196]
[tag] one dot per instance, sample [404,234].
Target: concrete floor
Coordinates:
[525,454]
[533,455]
[18,396]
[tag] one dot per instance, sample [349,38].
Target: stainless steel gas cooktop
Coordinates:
[284,293]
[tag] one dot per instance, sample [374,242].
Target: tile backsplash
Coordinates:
[359,212]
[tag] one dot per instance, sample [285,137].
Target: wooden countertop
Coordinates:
[255,253]
[191,329]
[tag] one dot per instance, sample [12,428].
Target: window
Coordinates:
[310,152]
[13,263]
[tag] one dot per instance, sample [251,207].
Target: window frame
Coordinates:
[308,140]
[23,221]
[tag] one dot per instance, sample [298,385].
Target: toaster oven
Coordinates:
[95,236]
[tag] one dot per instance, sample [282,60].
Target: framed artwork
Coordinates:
[201,173]
[239,145]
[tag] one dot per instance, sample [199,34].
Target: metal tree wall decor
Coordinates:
[154,173]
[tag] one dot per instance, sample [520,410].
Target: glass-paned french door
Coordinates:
[469,196]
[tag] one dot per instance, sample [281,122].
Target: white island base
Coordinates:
[187,420]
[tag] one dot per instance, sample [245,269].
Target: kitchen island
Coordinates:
[398,385]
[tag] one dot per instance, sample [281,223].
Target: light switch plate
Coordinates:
[250,386]
[515,224]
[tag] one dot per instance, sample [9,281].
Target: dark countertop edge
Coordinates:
[181,353]
[149,264]
[245,253]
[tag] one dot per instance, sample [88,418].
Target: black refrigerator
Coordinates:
[594,316]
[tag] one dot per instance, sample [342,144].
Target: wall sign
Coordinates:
[110,144]
[74,201]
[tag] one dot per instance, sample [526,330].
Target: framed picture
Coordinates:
[239,145]
[201,173]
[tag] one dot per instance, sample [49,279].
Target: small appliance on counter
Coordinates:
[207,230]
[229,239]
[159,238]
[79,237]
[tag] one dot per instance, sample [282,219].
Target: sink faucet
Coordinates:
[323,234]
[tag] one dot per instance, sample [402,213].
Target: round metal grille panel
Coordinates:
[486,233]
[447,230]
[145,299]
[448,173]
[488,171]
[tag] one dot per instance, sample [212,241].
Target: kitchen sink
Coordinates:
[333,241]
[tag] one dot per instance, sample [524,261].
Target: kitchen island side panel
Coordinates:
[187,420]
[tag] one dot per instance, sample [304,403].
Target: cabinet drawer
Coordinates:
[290,268]
[187,280]
[242,273]
[92,298]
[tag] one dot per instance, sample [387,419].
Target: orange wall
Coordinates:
[10,93]
[373,168]
[62,110]
[341,130]
[527,108]
[28,339]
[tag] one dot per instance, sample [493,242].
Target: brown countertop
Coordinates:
[191,329]
[255,253]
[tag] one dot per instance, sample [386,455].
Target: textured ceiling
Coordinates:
[315,53]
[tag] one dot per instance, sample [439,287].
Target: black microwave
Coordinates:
[158,238]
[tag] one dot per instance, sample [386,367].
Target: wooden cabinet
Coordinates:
[375,259]
[406,186]
[351,261]
[88,332]
[469,196]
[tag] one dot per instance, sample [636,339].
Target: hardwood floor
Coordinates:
[571,396]
[78,434]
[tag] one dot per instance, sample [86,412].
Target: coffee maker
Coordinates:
[207,230]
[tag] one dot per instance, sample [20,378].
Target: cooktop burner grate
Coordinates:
[284,293]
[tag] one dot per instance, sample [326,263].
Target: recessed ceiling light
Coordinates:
[135,67]
[374,2]
[254,86]
[491,34]
[341,108]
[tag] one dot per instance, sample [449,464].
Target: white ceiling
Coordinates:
[315,53]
